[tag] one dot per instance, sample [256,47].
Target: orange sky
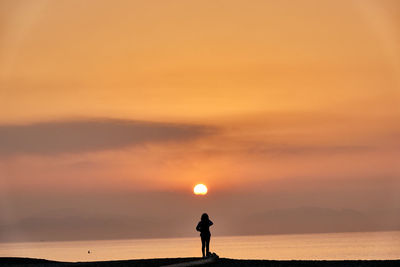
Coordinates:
[249,97]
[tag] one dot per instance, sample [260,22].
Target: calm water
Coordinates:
[371,245]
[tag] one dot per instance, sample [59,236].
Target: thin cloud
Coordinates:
[79,136]
[276,149]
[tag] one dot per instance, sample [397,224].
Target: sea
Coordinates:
[329,246]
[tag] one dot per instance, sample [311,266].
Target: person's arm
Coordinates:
[210,222]
[198,227]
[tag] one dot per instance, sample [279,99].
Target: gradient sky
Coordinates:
[111,111]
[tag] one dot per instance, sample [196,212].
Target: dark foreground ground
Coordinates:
[218,262]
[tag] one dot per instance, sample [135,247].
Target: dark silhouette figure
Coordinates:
[204,228]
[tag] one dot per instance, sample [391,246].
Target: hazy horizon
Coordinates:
[111,111]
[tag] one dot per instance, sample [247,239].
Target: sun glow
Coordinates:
[200,189]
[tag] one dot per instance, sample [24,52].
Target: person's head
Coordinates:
[204,217]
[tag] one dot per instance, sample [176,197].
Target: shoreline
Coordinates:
[15,262]
[5,241]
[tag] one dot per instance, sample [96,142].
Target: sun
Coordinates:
[200,189]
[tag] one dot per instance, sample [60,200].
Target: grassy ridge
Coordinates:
[16,262]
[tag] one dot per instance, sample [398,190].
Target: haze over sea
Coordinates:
[328,246]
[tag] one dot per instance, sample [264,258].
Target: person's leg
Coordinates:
[208,245]
[203,244]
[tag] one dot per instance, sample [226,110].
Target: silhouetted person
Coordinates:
[204,228]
